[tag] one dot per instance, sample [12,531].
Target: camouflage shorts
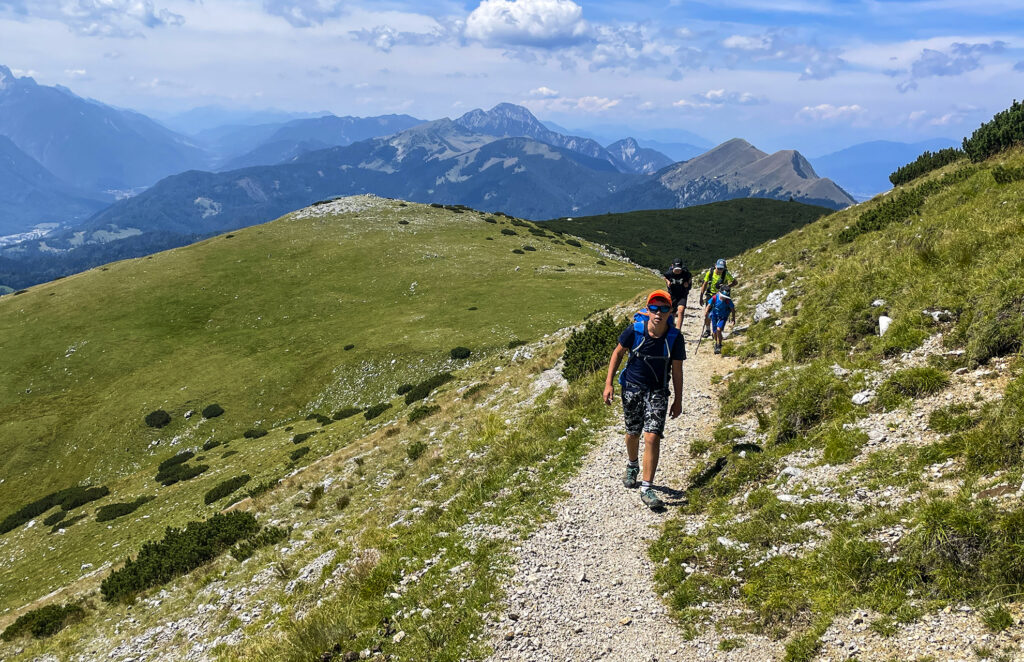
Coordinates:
[644,410]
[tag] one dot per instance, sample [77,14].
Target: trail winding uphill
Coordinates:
[583,586]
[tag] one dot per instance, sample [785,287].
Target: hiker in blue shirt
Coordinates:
[656,351]
[720,308]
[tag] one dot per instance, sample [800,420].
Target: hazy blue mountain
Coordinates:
[306,135]
[30,194]
[647,137]
[86,143]
[674,150]
[205,118]
[734,169]
[231,140]
[629,156]
[864,169]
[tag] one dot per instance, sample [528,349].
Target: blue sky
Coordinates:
[807,74]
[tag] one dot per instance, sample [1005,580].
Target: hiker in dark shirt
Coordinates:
[656,352]
[679,281]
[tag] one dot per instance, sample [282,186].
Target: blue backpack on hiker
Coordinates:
[640,337]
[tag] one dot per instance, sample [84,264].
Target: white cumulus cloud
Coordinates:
[527,22]
[543,92]
[828,112]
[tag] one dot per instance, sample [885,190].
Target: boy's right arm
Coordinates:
[613,366]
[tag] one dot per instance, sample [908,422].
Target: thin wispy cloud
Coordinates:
[97,18]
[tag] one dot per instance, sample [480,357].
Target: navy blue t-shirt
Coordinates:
[649,368]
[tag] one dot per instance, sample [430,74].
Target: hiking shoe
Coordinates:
[706,334]
[629,478]
[718,349]
[651,499]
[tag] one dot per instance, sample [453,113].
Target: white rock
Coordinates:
[883,324]
[725,542]
[398,637]
[771,304]
[790,471]
[839,371]
[863,397]
[878,303]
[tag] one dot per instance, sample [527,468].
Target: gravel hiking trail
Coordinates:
[583,583]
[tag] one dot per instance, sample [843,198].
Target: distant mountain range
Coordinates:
[502,159]
[89,145]
[30,194]
[734,169]
[864,168]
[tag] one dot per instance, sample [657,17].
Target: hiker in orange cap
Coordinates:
[656,351]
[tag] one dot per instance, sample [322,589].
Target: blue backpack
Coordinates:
[640,337]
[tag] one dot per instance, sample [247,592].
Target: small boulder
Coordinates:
[863,397]
[883,324]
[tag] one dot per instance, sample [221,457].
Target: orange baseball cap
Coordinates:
[658,294]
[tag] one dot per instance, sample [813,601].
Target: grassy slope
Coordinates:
[964,253]
[256,322]
[699,235]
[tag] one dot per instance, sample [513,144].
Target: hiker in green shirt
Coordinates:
[713,281]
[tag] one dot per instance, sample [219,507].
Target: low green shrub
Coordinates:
[303,436]
[459,353]
[473,390]
[262,488]
[518,251]
[515,342]
[254,433]
[347,412]
[180,458]
[225,487]
[924,164]
[320,418]
[210,445]
[414,450]
[54,517]
[427,386]
[348,347]
[573,242]
[491,220]
[997,618]
[590,348]
[179,552]
[804,398]
[313,501]
[212,411]
[68,498]
[43,622]
[376,410]
[114,510]
[298,453]
[508,232]
[529,248]
[179,472]
[401,390]
[158,418]
[1007,174]
[1003,131]
[423,411]
[270,535]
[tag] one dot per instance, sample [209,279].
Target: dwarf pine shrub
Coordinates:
[1003,131]
[414,450]
[43,622]
[423,411]
[403,389]
[509,232]
[424,388]
[298,453]
[590,348]
[262,488]
[270,535]
[54,517]
[114,510]
[529,248]
[924,164]
[347,412]
[180,472]
[1007,174]
[212,411]
[225,487]
[254,433]
[67,499]
[180,458]
[302,436]
[210,445]
[459,353]
[158,418]
[573,242]
[179,552]
[376,410]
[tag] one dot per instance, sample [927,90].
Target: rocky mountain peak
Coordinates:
[505,119]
